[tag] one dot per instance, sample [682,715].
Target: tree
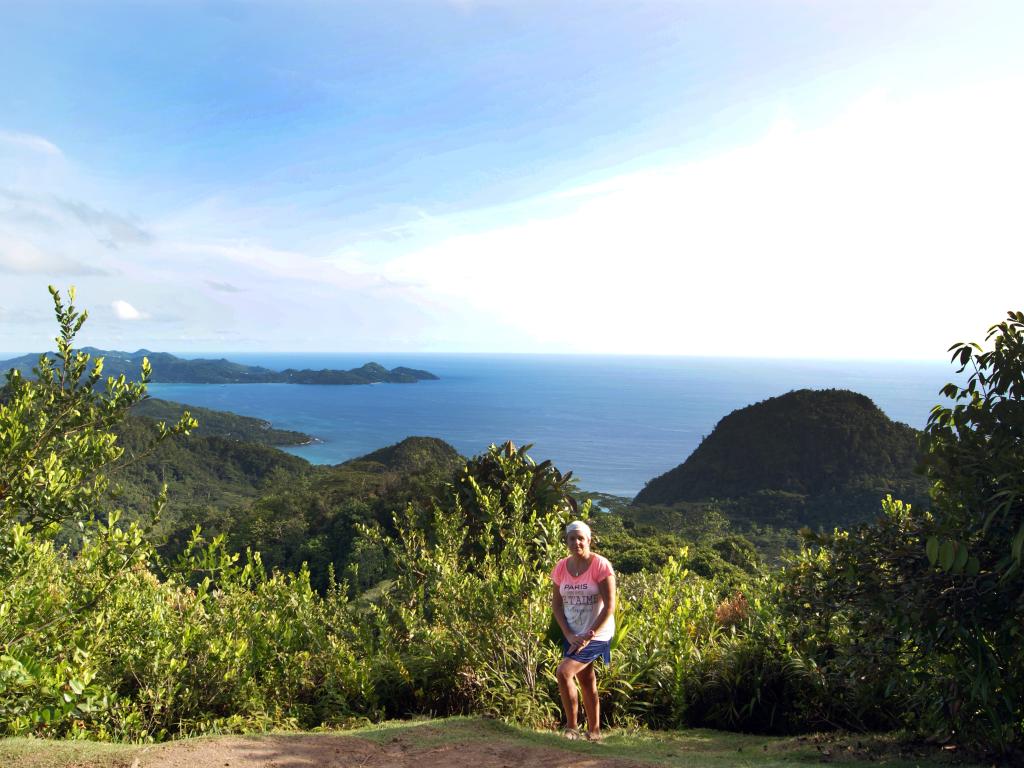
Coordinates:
[975,459]
[501,474]
[918,617]
[57,439]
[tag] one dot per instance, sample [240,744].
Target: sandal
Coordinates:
[572,734]
[593,736]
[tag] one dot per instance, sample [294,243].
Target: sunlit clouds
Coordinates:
[837,240]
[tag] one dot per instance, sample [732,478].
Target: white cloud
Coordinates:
[22,257]
[32,142]
[48,214]
[125,311]
[840,240]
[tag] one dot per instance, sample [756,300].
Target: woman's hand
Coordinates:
[579,642]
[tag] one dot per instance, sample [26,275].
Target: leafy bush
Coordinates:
[915,620]
[470,601]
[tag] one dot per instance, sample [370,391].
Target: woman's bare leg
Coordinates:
[587,678]
[567,670]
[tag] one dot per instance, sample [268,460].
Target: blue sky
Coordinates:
[791,178]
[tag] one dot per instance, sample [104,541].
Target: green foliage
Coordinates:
[508,471]
[689,662]
[312,516]
[852,600]
[214,478]
[975,460]
[976,451]
[56,431]
[915,620]
[715,554]
[124,654]
[471,597]
[50,662]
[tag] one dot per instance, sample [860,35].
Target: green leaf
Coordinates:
[973,566]
[961,558]
[932,550]
[947,554]
[1018,543]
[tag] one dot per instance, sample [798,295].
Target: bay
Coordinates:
[616,422]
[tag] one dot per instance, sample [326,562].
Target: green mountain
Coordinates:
[168,368]
[414,455]
[809,457]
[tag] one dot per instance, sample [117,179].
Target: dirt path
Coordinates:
[341,751]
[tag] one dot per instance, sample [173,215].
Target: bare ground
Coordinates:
[401,750]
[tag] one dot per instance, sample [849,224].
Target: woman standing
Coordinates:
[583,602]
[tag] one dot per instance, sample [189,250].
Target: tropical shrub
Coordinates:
[975,460]
[56,431]
[915,620]
[470,602]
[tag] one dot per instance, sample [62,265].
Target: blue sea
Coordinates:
[616,422]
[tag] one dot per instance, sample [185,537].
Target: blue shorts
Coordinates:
[594,650]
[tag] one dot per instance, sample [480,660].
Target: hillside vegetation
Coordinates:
[809,457]
[211,475]
[220,423]
[312,518]
[911,621]
[295,513]
[260,498]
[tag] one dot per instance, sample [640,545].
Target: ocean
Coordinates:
[616,422]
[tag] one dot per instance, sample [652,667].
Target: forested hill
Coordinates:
[310,516]
[168,368]
[809,457]
[220,423]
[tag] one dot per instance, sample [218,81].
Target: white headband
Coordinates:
[577,525]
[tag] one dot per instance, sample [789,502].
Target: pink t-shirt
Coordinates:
[581,599]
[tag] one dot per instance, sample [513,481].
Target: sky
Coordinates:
[767,178]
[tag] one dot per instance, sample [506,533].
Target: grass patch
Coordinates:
[47,753]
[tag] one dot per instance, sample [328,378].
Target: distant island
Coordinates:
[170,369]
